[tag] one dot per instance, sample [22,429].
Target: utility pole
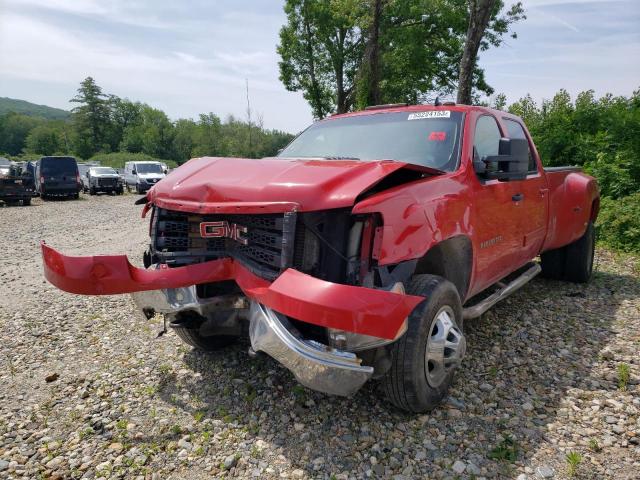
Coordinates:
[249,118]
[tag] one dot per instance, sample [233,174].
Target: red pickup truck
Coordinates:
[359,250]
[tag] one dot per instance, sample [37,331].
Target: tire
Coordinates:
[191,336]
[26,202]
[553,263]
[92,191]
[579,261]
[573,262]
[415,383]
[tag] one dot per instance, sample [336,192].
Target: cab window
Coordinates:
[486,140]
[515,130]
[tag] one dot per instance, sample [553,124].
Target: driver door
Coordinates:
[497,211]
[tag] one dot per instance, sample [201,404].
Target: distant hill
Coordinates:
[28,108]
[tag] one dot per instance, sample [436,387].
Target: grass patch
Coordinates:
[506,450]
[573,462]
[624,372]
[198,416]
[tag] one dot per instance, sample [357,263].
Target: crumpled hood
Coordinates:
[211,184]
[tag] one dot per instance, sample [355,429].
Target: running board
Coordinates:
[503,292]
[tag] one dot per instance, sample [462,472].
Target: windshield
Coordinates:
[103,171]
[429,138]
[59,165]
[149,168]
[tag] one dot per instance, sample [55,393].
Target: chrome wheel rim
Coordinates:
[445,348]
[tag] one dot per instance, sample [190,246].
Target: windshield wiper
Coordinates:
[341,158]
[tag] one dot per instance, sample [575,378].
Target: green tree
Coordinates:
[123,114]
[91,118]
[487,24]
[44,139]
[208,136]
[151,134]
[14,130]
[184,139]
[320,48]
[345,54]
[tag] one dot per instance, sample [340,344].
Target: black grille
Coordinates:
[107,182]
[269,249]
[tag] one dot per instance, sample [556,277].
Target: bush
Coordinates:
[619,223]
[118,159]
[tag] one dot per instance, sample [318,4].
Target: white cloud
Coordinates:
[181,81]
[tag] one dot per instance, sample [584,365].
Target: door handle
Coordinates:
[517,197]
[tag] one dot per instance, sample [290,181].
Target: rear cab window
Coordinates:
[515,130]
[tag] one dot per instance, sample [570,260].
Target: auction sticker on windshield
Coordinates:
[430,114]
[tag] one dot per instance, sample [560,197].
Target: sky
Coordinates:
[194,56]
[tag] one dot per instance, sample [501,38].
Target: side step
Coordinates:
[503,292]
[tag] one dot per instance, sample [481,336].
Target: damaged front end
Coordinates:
[302,282]
[310,325]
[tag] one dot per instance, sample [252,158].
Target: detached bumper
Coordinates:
[314,365]
[366,311]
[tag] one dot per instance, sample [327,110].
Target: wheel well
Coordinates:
[451,259]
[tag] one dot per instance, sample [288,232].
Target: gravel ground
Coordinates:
[87,390]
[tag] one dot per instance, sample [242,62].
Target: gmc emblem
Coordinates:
[224,229]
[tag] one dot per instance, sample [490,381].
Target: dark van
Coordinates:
[58,176]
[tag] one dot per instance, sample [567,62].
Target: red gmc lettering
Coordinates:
[223,229]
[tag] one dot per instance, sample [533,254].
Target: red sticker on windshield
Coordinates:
[438,136]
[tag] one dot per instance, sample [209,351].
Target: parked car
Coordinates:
[359,251]
[83,168]
[141,176]
[58,176]
[16,184]
[103,179]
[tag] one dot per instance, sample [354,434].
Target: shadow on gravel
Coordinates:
[523,358]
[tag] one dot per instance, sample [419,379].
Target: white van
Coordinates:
[141,176]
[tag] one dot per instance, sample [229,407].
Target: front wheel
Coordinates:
[425,358]
[26,202]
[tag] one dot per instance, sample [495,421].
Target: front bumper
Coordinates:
[313,364]
[366,311]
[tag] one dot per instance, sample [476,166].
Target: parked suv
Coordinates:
[83,168]
[58,176]
[141,176]
[103,179]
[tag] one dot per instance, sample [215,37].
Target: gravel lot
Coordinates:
[541,379]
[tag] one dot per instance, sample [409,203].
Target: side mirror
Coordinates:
[165,171]
[511,163]
[134,171]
